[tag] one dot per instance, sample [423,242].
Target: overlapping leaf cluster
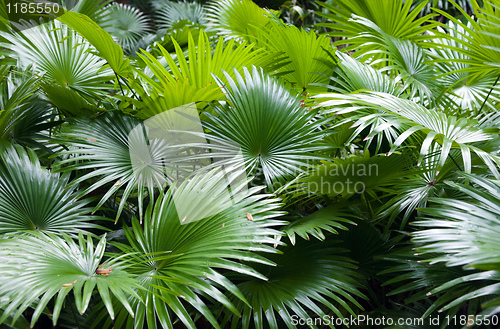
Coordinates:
[372,169]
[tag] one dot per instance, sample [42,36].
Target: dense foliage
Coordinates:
[367,133]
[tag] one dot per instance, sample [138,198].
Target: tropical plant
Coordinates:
[57,265]
[220,164]
[126,24]
[237,18]
[71,77]
[395,18]
[170,13]
[271,128]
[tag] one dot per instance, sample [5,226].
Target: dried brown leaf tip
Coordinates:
[69,284]
[249,217]
[118,182]
[432,183]
[103,271]
[91,139]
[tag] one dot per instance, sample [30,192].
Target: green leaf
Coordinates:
[394,17]
[409,117]
[310,58]
[102,144]
[71,77]
[237,18]
[177,263]
[191,79]
[329,219]
[100,39]
[126,24]
[275,133]
[53,265]
[309,276]
[33,198]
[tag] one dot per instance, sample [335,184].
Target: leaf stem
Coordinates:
[489,93]
[132,90]
[119,83]
[456,164]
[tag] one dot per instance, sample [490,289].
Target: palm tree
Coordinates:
[309,184]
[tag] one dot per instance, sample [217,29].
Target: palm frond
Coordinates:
[395,18]
[237,18]
[412,276]
[409,117]
[170,13]
[352,76]
[403,58]
[103,145]
[191,79]
[71,77]
[176,263]
[354,175]
[126,24]
[275,133]
[100,40]
[33,198]
[309,58]
[12,106]
[54,265]
[479,38]
[310,279]
[330,219]
[463,233]
[180,34]
[95,10]
[468,90]
[414,190]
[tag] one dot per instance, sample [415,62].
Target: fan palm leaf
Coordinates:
[191,80]
[414,191]
[355,175]
[34,128]
[479,39]
[453,215]
[71,77]
[328,219]
[179,33]
[103,145]
[310,277]
[359,119]
[12,104]
[310,58]
[93,9]
[237,18]
[275,133]
[33,198]
[352,76]
[54,265]
[170,13]
[100,40]
[468,90]
[395,18]
[449,131]
[176,263]
[403,58]
[126,24]
[418,278]
[461,233]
